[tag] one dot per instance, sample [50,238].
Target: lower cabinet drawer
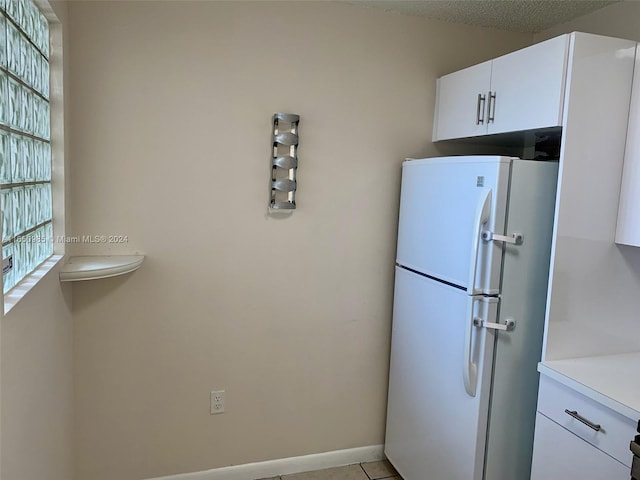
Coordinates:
[615,431]
[559,454]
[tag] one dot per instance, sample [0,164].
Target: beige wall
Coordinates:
[37,390]
[36,360]
[620,20]
[171,112]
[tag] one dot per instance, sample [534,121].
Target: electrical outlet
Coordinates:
[217,401]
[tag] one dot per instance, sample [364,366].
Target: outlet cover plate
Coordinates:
[217,402]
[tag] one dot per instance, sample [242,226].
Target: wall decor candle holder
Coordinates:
[285,161]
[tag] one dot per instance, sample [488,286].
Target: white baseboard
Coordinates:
[285,466]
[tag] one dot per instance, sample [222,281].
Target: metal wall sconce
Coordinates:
[285,161]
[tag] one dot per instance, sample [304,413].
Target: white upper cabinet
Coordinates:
[527,87]
[461,108]
[523,90]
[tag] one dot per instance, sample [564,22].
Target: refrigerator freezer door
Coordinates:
[433,425]
[442,216]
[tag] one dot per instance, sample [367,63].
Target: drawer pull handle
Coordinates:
[574,414]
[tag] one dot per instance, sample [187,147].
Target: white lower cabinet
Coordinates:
[559,454]
[578,437]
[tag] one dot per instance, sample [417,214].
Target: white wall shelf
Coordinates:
[99,266]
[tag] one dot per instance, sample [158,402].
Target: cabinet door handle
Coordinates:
[580,418]
[491,113]
[481,101]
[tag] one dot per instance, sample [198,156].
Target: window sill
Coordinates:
[17,293]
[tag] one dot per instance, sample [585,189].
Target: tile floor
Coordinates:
[358,471]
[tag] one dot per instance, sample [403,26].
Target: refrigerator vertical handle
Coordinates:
[483,212]
[469,369]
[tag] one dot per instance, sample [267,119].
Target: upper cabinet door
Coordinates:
[527,87]
[461,103]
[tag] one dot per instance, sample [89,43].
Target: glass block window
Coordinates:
[25,148]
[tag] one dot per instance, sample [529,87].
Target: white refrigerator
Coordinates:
[474,240]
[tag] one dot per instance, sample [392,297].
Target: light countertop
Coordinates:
[612,380]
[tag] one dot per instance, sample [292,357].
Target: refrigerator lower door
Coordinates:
[435,428]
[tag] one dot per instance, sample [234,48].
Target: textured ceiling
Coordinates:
[515,15]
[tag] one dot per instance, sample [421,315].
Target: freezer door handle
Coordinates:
[483,213]
[508,325]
